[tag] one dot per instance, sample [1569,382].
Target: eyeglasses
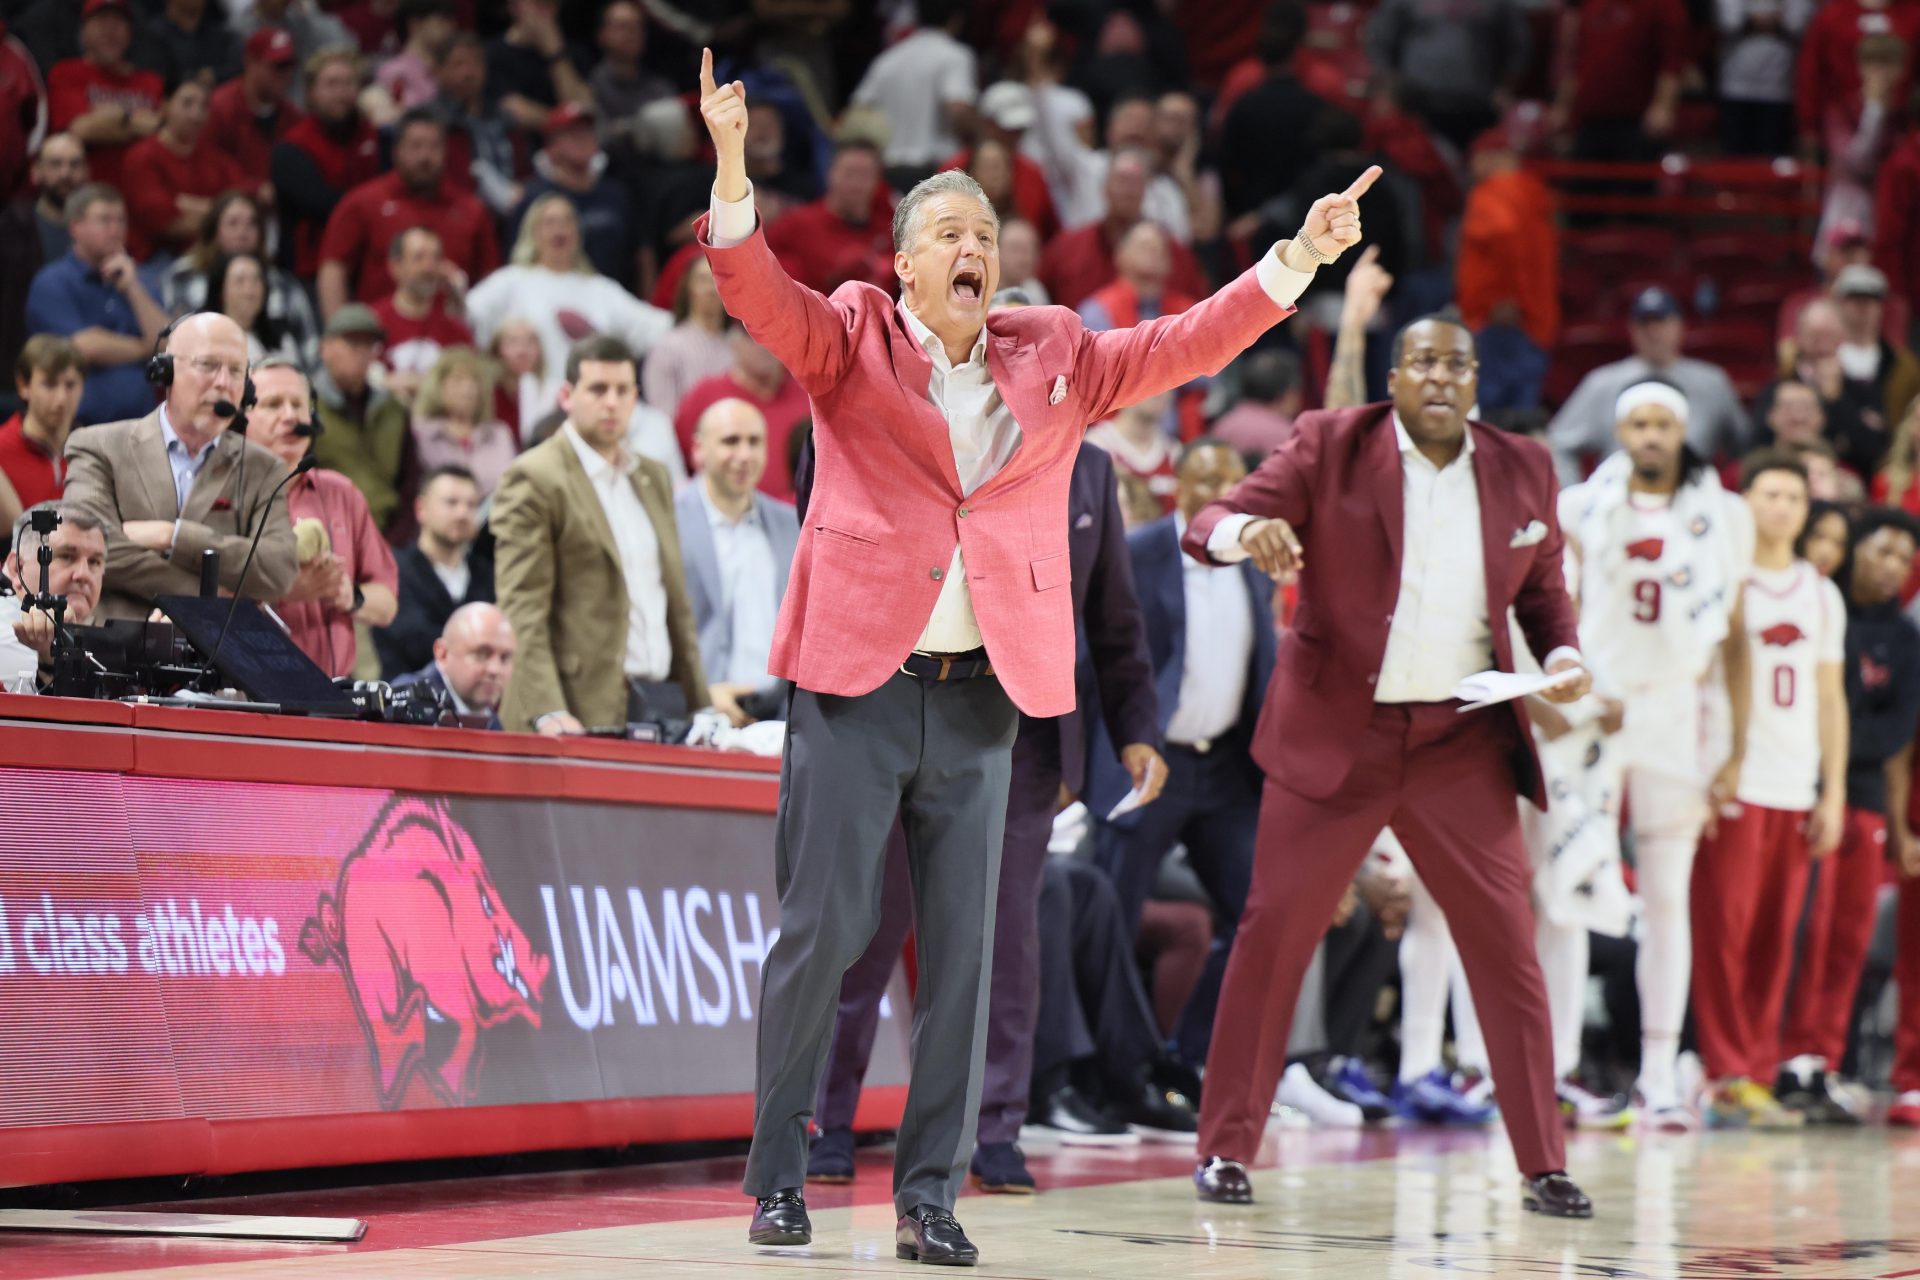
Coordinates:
[209,368]
[1422,363]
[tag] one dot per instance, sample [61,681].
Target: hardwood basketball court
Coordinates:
[1383,1204]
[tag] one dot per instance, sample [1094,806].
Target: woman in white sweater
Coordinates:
[550,282]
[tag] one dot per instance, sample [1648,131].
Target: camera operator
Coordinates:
[472,661]
[79,547]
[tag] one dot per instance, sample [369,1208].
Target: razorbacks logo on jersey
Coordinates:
[1782,634]
[1646,549]
[1874,675]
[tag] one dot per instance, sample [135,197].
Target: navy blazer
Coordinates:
[431,675]
[1158,569]
[701,558]
[1113,671]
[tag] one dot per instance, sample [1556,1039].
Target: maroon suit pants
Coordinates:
[1445,783]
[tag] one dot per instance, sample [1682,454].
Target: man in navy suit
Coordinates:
[737,545]
[472,661]
[1210,635]
[1044,752]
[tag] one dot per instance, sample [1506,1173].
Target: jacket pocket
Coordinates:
[841,535]
[1052,571]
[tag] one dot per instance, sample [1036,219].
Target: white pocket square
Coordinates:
[1059,391]
[1535,532]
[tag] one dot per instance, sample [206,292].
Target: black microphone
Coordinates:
[300,468]
[225,409]
[306,430]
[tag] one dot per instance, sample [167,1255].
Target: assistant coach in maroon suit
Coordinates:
[1426,528]
[928,604]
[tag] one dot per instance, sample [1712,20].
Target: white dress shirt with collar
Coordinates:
[186,465]
[747,585]
[1219,649]
[982,428]
[649,649]
[1439,633]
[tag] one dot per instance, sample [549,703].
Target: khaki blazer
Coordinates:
[557,575]
[118,471]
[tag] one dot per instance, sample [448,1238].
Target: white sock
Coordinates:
[1665,966]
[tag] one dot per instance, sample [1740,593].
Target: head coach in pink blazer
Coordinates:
[928,603]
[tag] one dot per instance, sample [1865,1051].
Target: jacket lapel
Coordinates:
[697,548]
[915,369]
[151,468]
[1490,481]
[581,494]
[1382,453]
[777,539]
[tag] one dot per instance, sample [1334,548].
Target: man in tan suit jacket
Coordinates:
[175,483]
[587,561]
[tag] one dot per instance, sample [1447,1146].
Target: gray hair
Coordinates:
[70,513]
[908,217]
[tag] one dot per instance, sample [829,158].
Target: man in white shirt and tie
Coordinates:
[1210,633]
[738,544]
[1427,529]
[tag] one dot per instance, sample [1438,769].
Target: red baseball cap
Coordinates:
[92,7]
[566,116]
[271,44]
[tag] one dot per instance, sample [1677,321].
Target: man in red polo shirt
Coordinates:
[353,578]
[1080,261]
[324,156]
[100,97]
[255,109]
[171,179]
[845,235]
[354,251]
[422,315]
[48,375]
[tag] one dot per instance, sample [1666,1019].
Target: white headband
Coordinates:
[1646,393]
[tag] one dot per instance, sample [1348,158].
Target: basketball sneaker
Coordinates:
[1299,1090]
[1753,1104]
[1583,1109]
[1905,1111]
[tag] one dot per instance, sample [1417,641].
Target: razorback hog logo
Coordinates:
[1782,634]
[1874,675]
[429,953]
[1645,549]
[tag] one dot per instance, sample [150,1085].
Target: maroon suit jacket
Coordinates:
[886,508]
[1337,481]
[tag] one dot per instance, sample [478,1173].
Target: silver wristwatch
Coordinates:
[1311,249]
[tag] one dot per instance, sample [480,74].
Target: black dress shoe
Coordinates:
[1157,1112]
[1222,1181]
[781,1218]
[932,1236]
[1555,1195]
[1076,1121]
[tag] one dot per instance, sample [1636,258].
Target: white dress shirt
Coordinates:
[1439,632]
[1213,674]
[747,579]
[981,427]
[649,649]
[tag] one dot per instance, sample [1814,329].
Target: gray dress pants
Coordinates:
[938,755]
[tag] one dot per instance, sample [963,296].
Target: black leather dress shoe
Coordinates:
[932,1236]
[1077,1121]
[781,1218]
[1222,1181]
[1555,1195]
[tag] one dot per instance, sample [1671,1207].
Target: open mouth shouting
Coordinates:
[969,285]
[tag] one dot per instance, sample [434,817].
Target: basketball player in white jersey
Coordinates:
[1751,879]
[1663,554]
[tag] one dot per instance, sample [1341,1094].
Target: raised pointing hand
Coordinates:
[724,108]
[1333,224]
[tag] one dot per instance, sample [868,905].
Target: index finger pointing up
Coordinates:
[1362,183]
[707,86]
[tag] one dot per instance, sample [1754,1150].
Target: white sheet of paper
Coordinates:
[1134,798]
[1491,688]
